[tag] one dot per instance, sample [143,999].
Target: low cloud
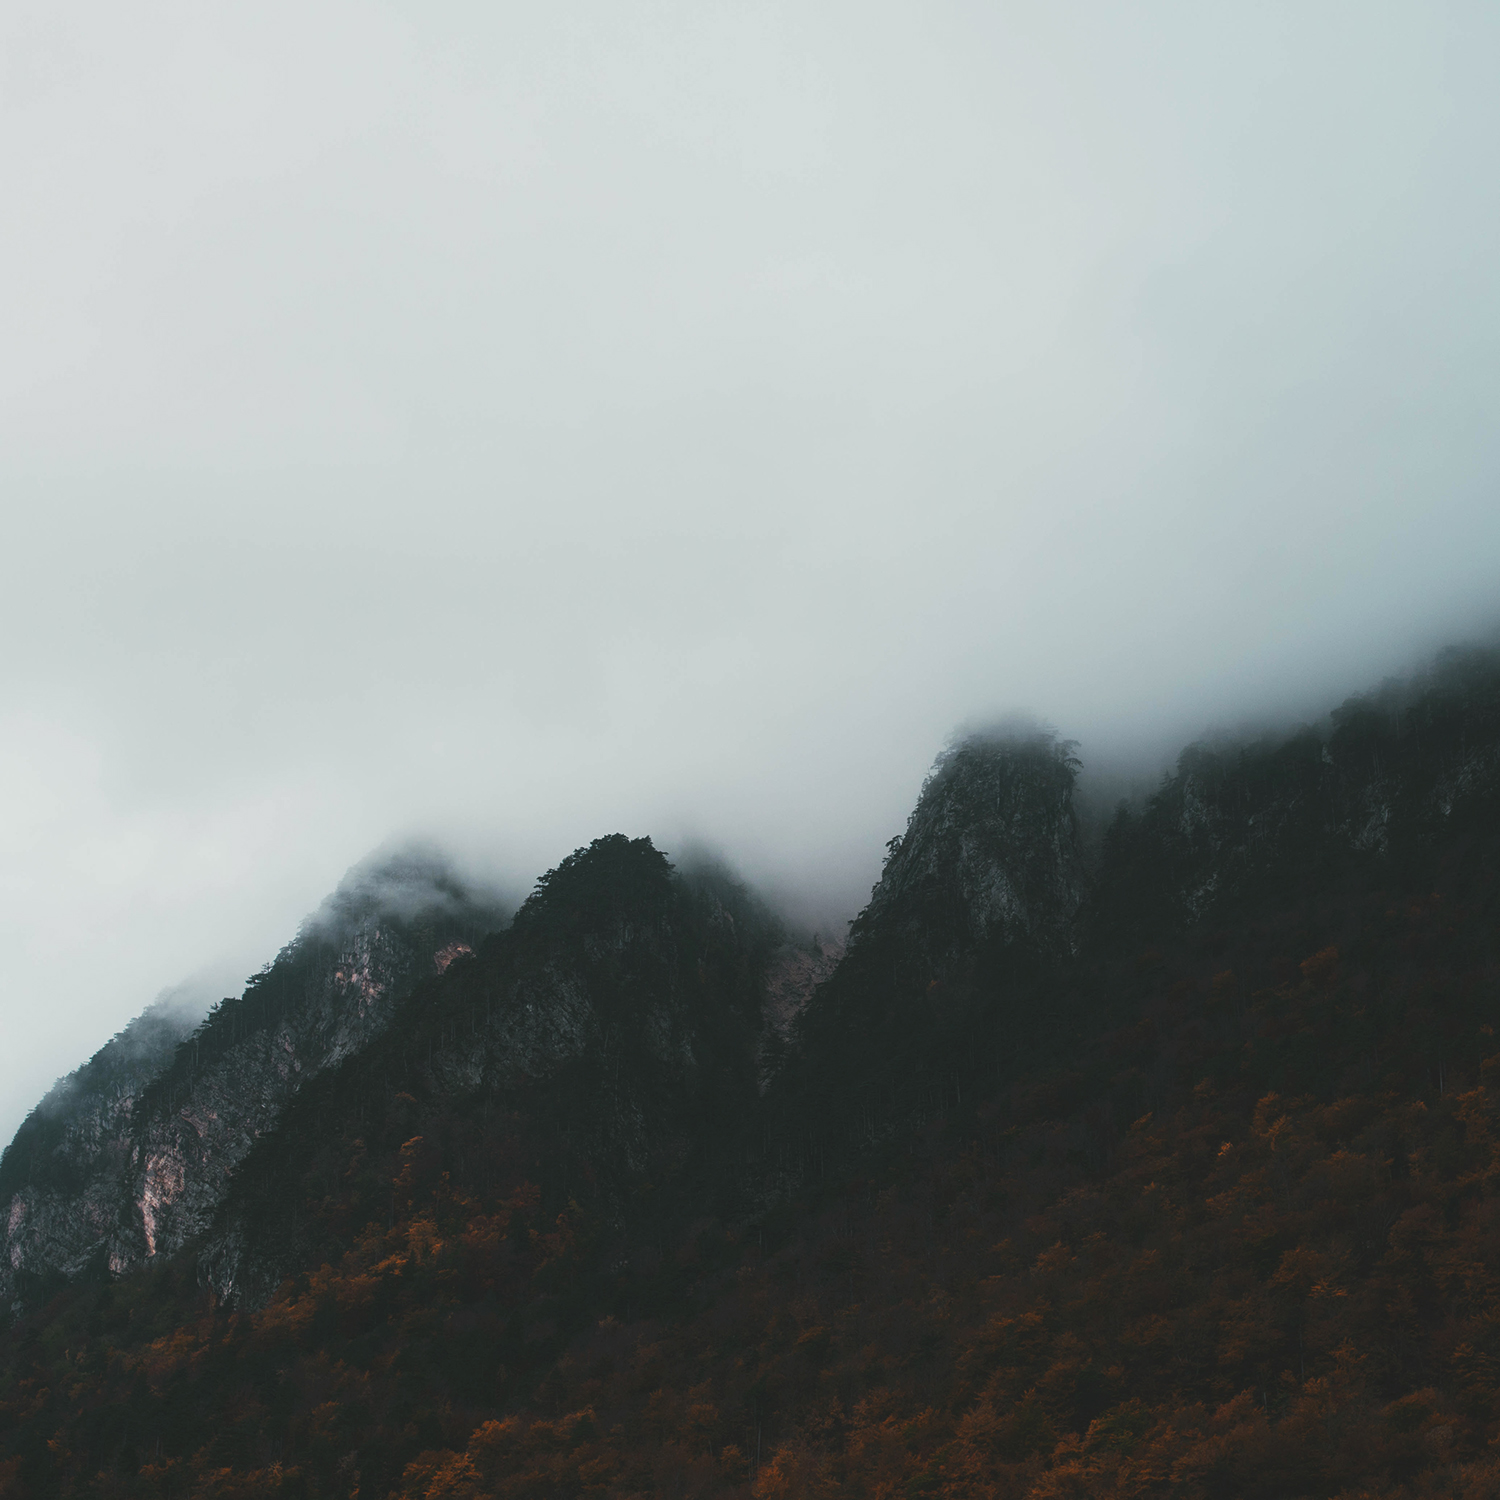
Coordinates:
[503,427]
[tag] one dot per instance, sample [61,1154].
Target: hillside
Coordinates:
[1177,1176]
[129,1157]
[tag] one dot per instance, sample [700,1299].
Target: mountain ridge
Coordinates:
[622,1010]
[1072,1178]
[126,1173]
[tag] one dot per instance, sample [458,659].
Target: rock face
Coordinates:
[616,1021]
[76,1151]
[990,857]
[128,1157]
[989,871]
[987,883]
[796,970]
[637,1025]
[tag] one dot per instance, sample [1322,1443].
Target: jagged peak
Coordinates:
[992,841]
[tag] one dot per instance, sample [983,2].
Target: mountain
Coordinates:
[1393,776]
[980,897]
[127,1158]
[1160,1164]
[59,1179]
[612,1033]
[990,860]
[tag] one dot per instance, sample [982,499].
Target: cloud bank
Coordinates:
[509,424]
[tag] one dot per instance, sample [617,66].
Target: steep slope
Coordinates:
[128,1158]
[1180,1182]
[612,1032]
[1231,1233]
[977,906]
[974,943]
[989,860]
[75,1146]
[1393,776]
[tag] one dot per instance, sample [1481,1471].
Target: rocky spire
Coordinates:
[990,857]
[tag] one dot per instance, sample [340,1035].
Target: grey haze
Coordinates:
[512,423]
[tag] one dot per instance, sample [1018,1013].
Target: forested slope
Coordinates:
[1207,1206]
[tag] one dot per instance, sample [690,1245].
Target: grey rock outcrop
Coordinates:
[129,1157]
[987,882]
[795,972]
[76,1150]
[990,856]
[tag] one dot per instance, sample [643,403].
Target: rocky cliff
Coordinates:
[985,885]
[990,858]
[128,1157]
[648,1032]
[614,1027]
[75,1149]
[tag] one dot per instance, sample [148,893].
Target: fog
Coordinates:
[508,424]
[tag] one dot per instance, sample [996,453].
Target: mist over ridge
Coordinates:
[416,878]
[749,749]
[502,427]
[431,1140]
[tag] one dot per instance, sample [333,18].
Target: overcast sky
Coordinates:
[518,422]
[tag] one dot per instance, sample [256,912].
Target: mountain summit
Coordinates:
[990,859]
[984,890]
